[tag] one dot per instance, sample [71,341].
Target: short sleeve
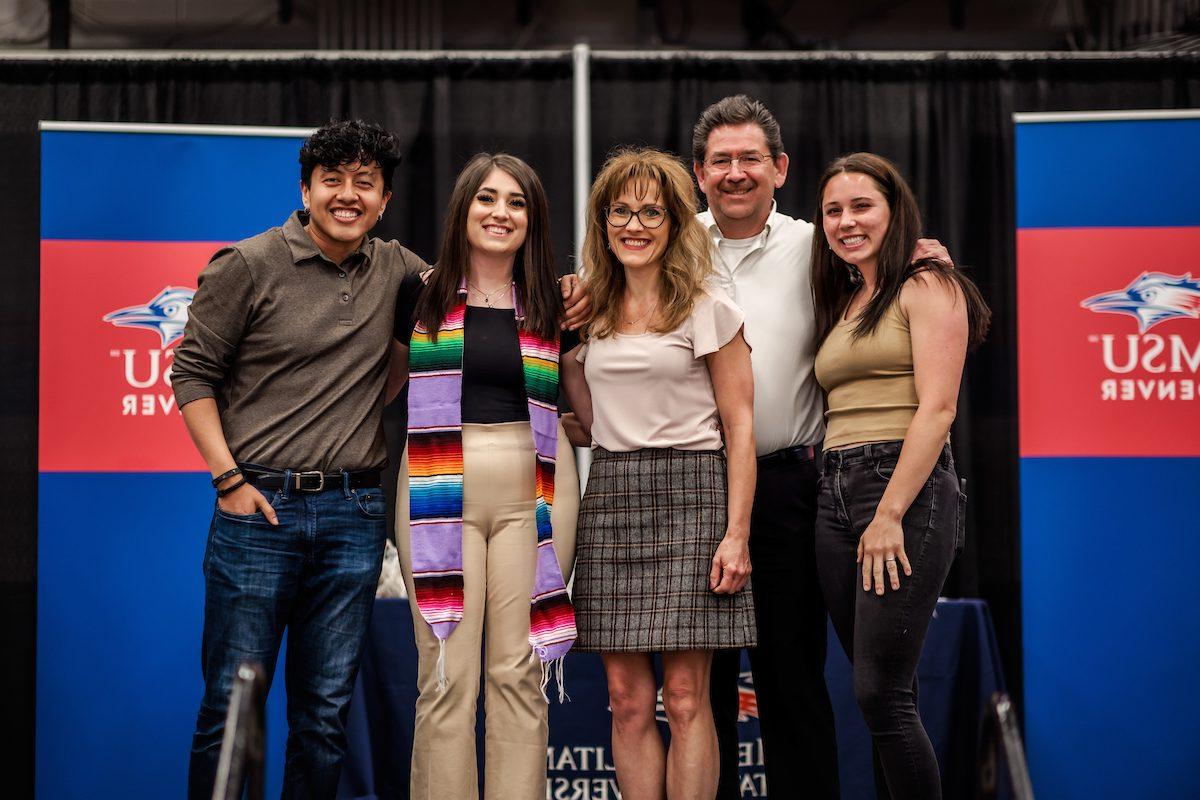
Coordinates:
[581,356]
[406,307]
[715,321]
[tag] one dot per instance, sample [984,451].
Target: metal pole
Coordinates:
[581,56]
[582,129]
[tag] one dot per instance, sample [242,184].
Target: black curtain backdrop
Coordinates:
[946,119]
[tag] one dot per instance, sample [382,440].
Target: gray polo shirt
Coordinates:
[295,348]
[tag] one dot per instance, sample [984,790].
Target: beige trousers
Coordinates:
[499,557]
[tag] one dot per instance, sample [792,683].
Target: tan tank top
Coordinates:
[869,382]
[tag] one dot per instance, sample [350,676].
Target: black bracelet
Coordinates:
[231,489]
[228,474]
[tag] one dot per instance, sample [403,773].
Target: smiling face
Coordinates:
[635,245]
[498,217]
[739,196]
[855,217]
[344,203]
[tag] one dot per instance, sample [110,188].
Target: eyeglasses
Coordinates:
[649,216]
[747,160]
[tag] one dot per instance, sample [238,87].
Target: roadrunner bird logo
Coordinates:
[166,314]
[1153,297]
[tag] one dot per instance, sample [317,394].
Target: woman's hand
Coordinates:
[882,548]
[731,564]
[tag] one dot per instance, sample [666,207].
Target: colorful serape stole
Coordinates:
[435,464]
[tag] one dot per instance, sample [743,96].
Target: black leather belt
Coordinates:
[313,480]
[802,452]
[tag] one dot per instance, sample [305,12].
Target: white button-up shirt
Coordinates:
[770,281]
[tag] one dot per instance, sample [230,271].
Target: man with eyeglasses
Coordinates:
[762,259]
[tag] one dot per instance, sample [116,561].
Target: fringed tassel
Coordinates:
[442,684]
[548,668]
[545,680]
[562,691]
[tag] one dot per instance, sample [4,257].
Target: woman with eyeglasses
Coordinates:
[487,494]
[893,334]
[663,382]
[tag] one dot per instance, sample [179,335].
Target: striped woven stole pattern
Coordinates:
[436,481]
[551,617]
[435,477]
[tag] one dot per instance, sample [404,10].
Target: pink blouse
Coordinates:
[653,389]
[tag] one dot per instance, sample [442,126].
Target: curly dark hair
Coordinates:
[350,141]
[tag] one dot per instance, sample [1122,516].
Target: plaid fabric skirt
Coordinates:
[649,524]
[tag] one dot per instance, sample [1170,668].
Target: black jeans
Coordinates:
[795,715]
[883,635]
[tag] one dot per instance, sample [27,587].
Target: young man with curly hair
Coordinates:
[280,378]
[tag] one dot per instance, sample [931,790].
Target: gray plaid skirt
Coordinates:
[649,524]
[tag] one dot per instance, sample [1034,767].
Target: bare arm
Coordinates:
[397,371]
[733,384]
[937,315]
[575,386]
[204,425]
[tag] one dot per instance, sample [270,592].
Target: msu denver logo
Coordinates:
[166,314]
[1153,297]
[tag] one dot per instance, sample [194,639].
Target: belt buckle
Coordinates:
[320,483]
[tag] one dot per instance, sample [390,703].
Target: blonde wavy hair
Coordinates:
[687,262]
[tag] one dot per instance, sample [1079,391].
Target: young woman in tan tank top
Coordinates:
[892,339]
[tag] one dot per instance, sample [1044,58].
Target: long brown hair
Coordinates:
[534,273]
[832,283]
[686,263]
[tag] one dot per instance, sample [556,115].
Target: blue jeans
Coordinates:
[315,575]
[883,634]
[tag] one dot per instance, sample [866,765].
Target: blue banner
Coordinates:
[1108,284]
[124,503]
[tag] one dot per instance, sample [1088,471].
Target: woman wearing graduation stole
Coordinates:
[488,492]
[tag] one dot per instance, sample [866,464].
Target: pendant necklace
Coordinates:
[487,296]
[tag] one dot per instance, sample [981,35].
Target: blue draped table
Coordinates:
[960,668]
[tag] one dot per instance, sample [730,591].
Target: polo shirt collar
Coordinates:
[304,249]
[714,230]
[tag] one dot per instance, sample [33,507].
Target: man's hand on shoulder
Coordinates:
[577,301]
[932,248]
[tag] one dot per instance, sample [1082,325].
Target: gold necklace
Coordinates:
[487,296]
[648,312]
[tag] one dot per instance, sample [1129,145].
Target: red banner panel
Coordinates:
[111,315]
[1109,358]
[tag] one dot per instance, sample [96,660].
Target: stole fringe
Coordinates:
[442,684]
[548,667]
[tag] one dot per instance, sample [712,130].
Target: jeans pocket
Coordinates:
[370,503]
[960,530]
[256,518]
[884,468]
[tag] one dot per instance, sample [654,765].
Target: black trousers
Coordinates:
[883,634]
[795,715]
